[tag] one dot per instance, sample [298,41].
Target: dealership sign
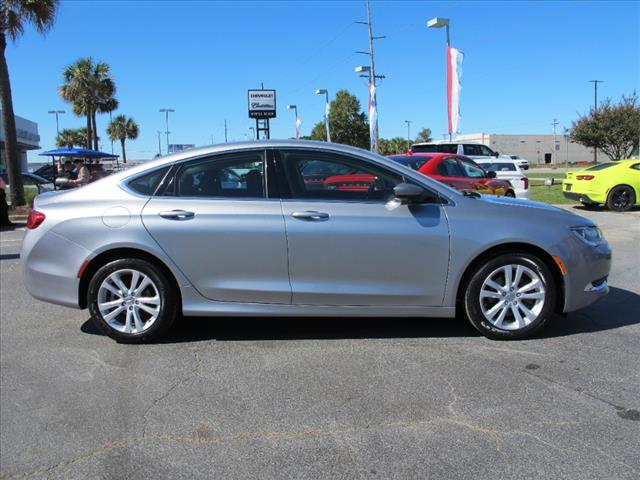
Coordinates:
[262,103]
[180,147]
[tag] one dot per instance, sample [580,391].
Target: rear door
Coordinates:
[349,245]
[222,224]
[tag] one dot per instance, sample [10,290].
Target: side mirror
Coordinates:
[412,194]
[496,154]
[491,174]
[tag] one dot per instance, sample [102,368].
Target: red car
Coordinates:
[457,171]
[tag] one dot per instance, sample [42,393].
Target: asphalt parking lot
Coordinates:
[323,398]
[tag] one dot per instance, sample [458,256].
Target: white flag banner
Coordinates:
[298,123]
[454,86]
[373,113]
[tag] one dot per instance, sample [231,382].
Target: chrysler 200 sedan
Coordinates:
[255,229]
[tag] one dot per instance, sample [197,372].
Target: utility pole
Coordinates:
[555,124]
[166,111]
[372,73]
[225,130]
[159,144]
[408,122]
[595,111]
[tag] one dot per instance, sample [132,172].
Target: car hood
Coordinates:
[519,202]
[536,211]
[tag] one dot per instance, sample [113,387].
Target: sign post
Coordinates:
[262,107]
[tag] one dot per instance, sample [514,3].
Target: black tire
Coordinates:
[169,307]
[471,296]
[510,194]
[621,198]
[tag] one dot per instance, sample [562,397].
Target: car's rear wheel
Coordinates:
[510,194]
[132,301]
[510,296]
[621,198]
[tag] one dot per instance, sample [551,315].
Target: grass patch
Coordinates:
[541,193]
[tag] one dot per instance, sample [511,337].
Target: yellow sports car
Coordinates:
[615,184]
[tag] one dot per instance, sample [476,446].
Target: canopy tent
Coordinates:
[77,152]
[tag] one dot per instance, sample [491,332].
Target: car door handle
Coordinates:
[310,216]
[177,214]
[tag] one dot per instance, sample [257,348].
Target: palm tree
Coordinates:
[71,137]
[13,16]
[123,128]
[89,88]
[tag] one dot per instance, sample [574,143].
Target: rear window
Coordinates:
[413,162]
[602,166]
[499,167]
[147,184]
[427,148]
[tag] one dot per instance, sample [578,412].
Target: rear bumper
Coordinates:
[50,264]
[579,197]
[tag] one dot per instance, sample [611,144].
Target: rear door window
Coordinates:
[147,184]
[449,167]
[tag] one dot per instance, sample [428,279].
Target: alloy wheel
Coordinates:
[621,198]
[512,297]
[129,301]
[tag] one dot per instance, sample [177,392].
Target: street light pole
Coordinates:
[56,113]
[159,144]
[439,23]
[408,122]
[595,111]
[324,91]
[166,112]
[253,133]
[225,130]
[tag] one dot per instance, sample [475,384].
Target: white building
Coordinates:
[535,148]
[28,139]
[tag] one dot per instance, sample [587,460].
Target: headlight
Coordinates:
[590,235]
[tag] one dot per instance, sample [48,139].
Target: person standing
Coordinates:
[83,175]
[4,208]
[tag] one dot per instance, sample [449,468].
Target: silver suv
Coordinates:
[475,151]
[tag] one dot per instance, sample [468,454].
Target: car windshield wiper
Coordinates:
[469,193]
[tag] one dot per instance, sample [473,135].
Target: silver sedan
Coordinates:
[287,228]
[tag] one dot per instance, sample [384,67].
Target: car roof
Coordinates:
[422,154]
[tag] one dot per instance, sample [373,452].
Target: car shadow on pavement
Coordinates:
[600,208]
[618,309]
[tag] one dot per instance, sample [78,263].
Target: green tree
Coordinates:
[88,86]
[71,137]
[393,145]
[424,136]
[123,128]
[347,123]
[14,14]
[614,128]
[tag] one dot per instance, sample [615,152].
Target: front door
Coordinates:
[350,243]
[219,224]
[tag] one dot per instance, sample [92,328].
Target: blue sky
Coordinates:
[525,63]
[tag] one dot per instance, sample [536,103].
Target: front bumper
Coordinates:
[587,272]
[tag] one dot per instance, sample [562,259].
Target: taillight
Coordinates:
[585,177]
[526,183]
[34,219]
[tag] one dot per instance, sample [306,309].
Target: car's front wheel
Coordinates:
[621,198]
[132,301]
[510,296]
